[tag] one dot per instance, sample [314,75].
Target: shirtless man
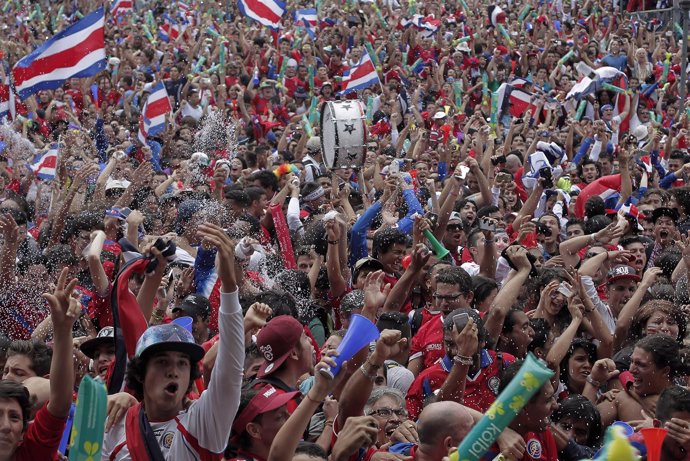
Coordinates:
[655,362]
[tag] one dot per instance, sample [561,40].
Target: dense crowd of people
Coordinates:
[522,190]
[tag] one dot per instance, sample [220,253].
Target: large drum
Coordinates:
[343,134]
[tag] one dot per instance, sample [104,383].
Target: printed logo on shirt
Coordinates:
[168,439]
[434,347]
[493,384]
[534,448]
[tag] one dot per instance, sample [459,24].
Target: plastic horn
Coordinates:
[283,234]
[199,63]
[608,86]
[412,7]
[567,56]
[307,126]
[464,6]
[529,379]
[494,109]
[439,249]
[359,334]
[221,53]
[464,39]
[524,13]
[89,419]
[212,32]
[485,84]
[457,90]
[372,54]
[653,438]
[505,34]
[184,322]
[580,110]
[370,108]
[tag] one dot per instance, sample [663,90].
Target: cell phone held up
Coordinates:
[460,320]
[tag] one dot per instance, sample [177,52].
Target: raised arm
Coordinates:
[64,311]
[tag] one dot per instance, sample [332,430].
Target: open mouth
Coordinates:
[663,234]
[171,389]
[103,370]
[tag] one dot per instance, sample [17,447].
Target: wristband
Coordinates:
[370,377]
[333,242]
[594,383]
[313,400]
[463,360]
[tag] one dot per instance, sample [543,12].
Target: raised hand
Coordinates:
[64,309]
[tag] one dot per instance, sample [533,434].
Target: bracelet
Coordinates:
[594,383]
[333,242]
[328,422]
[370,377]
[319,402]
[489,240]
[463,360]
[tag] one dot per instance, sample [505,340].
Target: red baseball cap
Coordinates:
[268,399]
[276,340]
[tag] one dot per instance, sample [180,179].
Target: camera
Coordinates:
[545,174]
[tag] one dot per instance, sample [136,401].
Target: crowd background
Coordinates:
[581,260]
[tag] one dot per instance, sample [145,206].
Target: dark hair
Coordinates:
[666,352]
[57,255]
[294,282]
[248,393]
[39,353]
[597,222]
[448,322]
[629,240]
[587,161]
[266,178]
[85,221]
[668,260]
[645,312]
[575,222]
[579,408]
[579,343]
[456,276]
[486,211]
[482,288]
[280,304]
[473,237]
[312,450]
[254,193]
[395,321]
[351,301]
[594,206]
[541,328]
[672,399]
[136,372]
[385,239]
[11,390]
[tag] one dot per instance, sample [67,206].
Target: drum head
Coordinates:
[343,134]
[328,135]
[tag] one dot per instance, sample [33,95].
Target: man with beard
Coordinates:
[665,230]
[453,291]
[467,373]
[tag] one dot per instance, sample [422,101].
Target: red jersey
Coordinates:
[480,390]
[428,342]
[540,447]
[42,437]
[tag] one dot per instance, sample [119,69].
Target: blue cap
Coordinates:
[170,337]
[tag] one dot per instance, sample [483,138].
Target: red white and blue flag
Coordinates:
[265,12]
[606,187]
[309,15]
[171,30]
[44,165]
[361,76]
[156,107]
[8,109]
[120,6]
[78,51]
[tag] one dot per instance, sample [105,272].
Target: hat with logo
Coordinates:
[621,272]
[276,340]
[105,337]
[268,399]
[169,337]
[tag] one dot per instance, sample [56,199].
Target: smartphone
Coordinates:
[394,167]
[461,173]
[545,173]
[460,320]
[487,225]
[564,289]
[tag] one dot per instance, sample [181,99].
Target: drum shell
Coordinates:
[343,134]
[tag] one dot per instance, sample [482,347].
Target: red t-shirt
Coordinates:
[480,391]
[428,342]
[42,437]
[540,447]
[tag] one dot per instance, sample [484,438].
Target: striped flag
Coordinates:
[171,31]
[309,15]
[78,51]
[606,187]
[44,165]
[361,76]
[156,107]
[496,15]
[265,12]
[120,6]
[6,100]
